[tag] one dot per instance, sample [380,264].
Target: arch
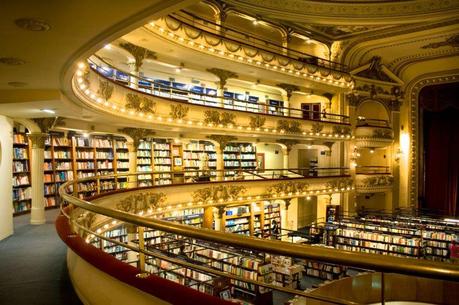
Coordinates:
[29,124]
[373,109]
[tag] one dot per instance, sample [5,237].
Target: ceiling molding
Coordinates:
[351,12]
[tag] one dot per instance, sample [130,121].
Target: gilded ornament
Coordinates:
[218,193]
[178,111]
[257,121]
[139,54]
[141,202]
[140,104]
[289,126]
[288,187]
[105,89]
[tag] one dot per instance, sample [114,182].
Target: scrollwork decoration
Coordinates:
[257,121]
[178,111]
[216,118]
[141,202]
[288,187]
[105,89]
[218,193]
[289,126]
[140,104]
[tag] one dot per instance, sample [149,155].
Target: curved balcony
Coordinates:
[88,232]
[236,36]
[373,179]
[141,99]
[216,40]
[398,289]
[373,133]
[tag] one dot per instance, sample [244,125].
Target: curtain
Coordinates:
[441,148]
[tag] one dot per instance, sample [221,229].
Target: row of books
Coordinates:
[20,166]
[20,153]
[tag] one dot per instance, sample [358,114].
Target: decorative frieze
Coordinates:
[215,117]
[105,89]
[288,187]
[215,194]
[257,121]
[178,112]
[141,202]
[140,104]
[289,126]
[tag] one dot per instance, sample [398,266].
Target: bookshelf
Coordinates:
[239,156]
[407,237]
[162,161]
[286,273]
[199,155]
[84,164]
[271,212]
[121,161]
[22,188]
[144,163]
[324,271]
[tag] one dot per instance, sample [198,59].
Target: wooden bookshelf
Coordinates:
[22,187]
[199,155]
[239,156]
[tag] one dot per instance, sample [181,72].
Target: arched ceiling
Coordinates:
[404,33]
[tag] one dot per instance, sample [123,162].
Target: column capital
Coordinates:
[38,139]
[223,75]
[137,134]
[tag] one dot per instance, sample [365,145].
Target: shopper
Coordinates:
[454,251]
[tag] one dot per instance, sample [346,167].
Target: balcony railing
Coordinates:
[156,88]
[91,219]
[364,122]
[372,170]
[251,40]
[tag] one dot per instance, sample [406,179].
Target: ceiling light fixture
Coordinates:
[50,111]
[108,47]
[32,24]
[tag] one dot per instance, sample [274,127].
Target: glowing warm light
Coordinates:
[404,142]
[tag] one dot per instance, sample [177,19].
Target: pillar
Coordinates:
[219,163]
[131,236]
[220,98]
[284,218]
[285,152]
[133,78]
[219,219]
[37,215]
[286,100]
[132,153]
[208,218]
[6,168]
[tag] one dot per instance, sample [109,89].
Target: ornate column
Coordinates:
[139,54]
[284,217]
[208,218]
[132,155]
[289,89]
[286,151]
[219,219]
[37,216]
[223,76]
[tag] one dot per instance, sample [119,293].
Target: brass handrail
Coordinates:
[367,261]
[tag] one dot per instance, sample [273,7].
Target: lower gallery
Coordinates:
[229,152]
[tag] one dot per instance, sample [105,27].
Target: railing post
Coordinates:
[141,232]
[382,288]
